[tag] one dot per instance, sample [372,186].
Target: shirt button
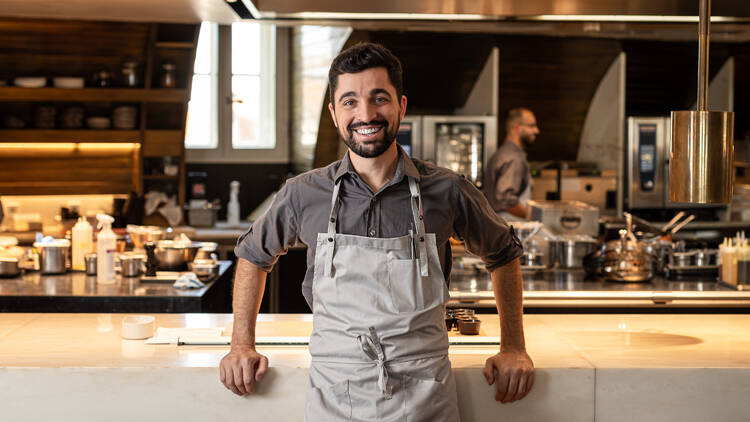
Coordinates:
[372,232]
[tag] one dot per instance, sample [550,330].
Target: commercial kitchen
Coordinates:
[140,140]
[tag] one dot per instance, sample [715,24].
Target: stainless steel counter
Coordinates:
[572,289]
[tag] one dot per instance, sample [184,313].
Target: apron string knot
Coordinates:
[372,348]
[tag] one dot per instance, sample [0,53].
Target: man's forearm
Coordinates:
[507,285]
[249,283]
[519,210]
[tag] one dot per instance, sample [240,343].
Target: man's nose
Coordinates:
[367,112]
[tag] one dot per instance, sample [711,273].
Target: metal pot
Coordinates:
[628,260]
[9,267]
[570,250]
[174,256]
[53,256]
[131,264]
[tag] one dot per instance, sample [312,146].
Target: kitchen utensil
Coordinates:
[131,264]
[207,251]
[137,327]
[124,117]
[204,215]
[469,326]
[142,234]
[204,267]
[568,251]
[90,260]
[682,259]
[30,81]
[174,255]
[9,267]
[68,82]
[629,261]
[684,222]
[53,256]
[672,222]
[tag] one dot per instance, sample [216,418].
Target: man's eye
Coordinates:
[348,102]
[381,100]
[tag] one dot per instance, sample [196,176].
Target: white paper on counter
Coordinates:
[165,335]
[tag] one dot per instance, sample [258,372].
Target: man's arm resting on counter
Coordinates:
[512,367]
[243,366]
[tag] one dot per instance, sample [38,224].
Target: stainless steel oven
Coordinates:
[460,143]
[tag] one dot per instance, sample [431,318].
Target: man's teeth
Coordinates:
[367,131]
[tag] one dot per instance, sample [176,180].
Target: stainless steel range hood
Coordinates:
[473,10]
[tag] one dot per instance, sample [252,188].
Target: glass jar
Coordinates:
[102,78]
[130,77]
[168,79]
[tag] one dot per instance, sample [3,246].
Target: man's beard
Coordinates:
[381,145]
[527,141]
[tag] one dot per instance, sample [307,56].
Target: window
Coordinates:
[232,114]
[202,119]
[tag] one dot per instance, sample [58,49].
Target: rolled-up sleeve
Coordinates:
[482,230]
[508,183]
[273,233]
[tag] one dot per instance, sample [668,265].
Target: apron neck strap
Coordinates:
[335,203]
[416,206]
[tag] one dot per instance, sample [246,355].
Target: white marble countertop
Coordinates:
[553,341]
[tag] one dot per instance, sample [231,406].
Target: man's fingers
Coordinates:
[503,379]
[229,381]
[248,375]
[238,383]
[222,377]
[262,368]
[531,382]
[512,386]
[521,389]
[489,372]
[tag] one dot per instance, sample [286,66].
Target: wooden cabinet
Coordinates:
[53,159]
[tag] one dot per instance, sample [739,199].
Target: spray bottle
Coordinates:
[233,208]
[82,237]
[105,250]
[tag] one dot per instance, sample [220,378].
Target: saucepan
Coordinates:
[172,255]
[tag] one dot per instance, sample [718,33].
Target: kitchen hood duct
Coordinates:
[702,156]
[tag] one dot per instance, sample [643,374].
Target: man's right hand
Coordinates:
[241,369]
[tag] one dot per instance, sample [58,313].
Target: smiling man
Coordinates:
[377,225]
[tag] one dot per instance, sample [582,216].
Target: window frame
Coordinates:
[225,152]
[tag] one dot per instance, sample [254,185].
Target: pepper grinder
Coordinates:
[150,248]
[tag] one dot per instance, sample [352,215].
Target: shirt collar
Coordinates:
[405,167]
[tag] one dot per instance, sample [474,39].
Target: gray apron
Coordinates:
[379,346]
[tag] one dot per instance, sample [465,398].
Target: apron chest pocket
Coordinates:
[408,292]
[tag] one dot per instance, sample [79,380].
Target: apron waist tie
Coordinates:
[372,348]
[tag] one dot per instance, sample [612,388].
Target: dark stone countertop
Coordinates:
[77,292]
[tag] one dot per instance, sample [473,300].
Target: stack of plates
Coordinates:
[30,82]
[67,82]
[124,117]
[98,122]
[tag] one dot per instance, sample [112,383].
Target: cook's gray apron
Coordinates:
[379,345]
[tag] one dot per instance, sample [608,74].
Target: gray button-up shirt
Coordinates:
[506,177]
[452,207]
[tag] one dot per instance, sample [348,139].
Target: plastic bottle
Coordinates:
[729,272]
[743,263]
[105,250]
[83,239]
[233,208]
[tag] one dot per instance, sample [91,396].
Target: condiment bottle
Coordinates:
[106,242]
[82,236]
[168,75]
[743,263]
[233,208]
[729,270]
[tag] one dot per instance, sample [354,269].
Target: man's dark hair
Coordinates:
[514,116]
[363,56]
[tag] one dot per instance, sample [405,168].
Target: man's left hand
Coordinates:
[514,372]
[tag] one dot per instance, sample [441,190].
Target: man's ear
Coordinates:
[333,115]
[403,106]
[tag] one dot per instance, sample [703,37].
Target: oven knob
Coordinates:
[649,184]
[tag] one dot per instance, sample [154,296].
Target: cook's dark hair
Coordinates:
[363,56]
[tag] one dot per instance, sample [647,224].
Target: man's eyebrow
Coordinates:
[380,91]
[347,94]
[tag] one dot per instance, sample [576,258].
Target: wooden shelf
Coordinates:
[94,94]
[69,135]
[159,177]
[173,44]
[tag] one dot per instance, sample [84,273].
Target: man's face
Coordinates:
[366,111]
[527,128]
